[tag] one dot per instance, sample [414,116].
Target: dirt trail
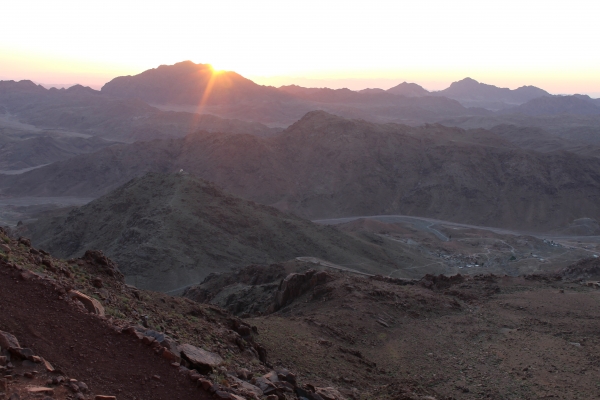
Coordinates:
[85,347]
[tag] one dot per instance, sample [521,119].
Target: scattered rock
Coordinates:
[22,353]
[41,389]
[329,393]
[7,340]
[92,305]
[200,359]
[245,386]
[47,365]
[170,356]
[206,384]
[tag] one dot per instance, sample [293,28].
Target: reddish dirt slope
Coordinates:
[85,347]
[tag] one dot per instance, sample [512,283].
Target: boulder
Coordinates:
[329,393]
[7,340]
[264,384]
[92,305]
[200,359]
[22,353]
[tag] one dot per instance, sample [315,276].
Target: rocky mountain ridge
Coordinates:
[168,231]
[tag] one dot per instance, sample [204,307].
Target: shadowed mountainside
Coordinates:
[326,166]
[555,105]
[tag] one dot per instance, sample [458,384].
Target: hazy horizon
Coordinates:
[348,83]
[333,44]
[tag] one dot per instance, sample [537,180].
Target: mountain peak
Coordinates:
[187,83]
[82,89]
[467,82]
[408,90]
[470,91]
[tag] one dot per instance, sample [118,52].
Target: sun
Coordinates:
[216,70]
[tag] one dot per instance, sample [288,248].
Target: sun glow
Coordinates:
[500,42]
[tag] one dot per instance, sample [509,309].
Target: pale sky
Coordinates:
[374,43]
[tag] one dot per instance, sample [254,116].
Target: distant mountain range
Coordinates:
[327,166]
[556,105]
[122,107]
[469,90]
[187,83]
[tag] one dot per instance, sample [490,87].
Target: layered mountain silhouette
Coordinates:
[327,166]
[170,230]
[86,111]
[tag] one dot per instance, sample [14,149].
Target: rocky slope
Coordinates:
[167,231]
[456,337]
[73,330]
[326,166]
[335,337]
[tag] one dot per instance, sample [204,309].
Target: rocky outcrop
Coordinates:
[246,291]
[101,264]
[588,268]
[295,285]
